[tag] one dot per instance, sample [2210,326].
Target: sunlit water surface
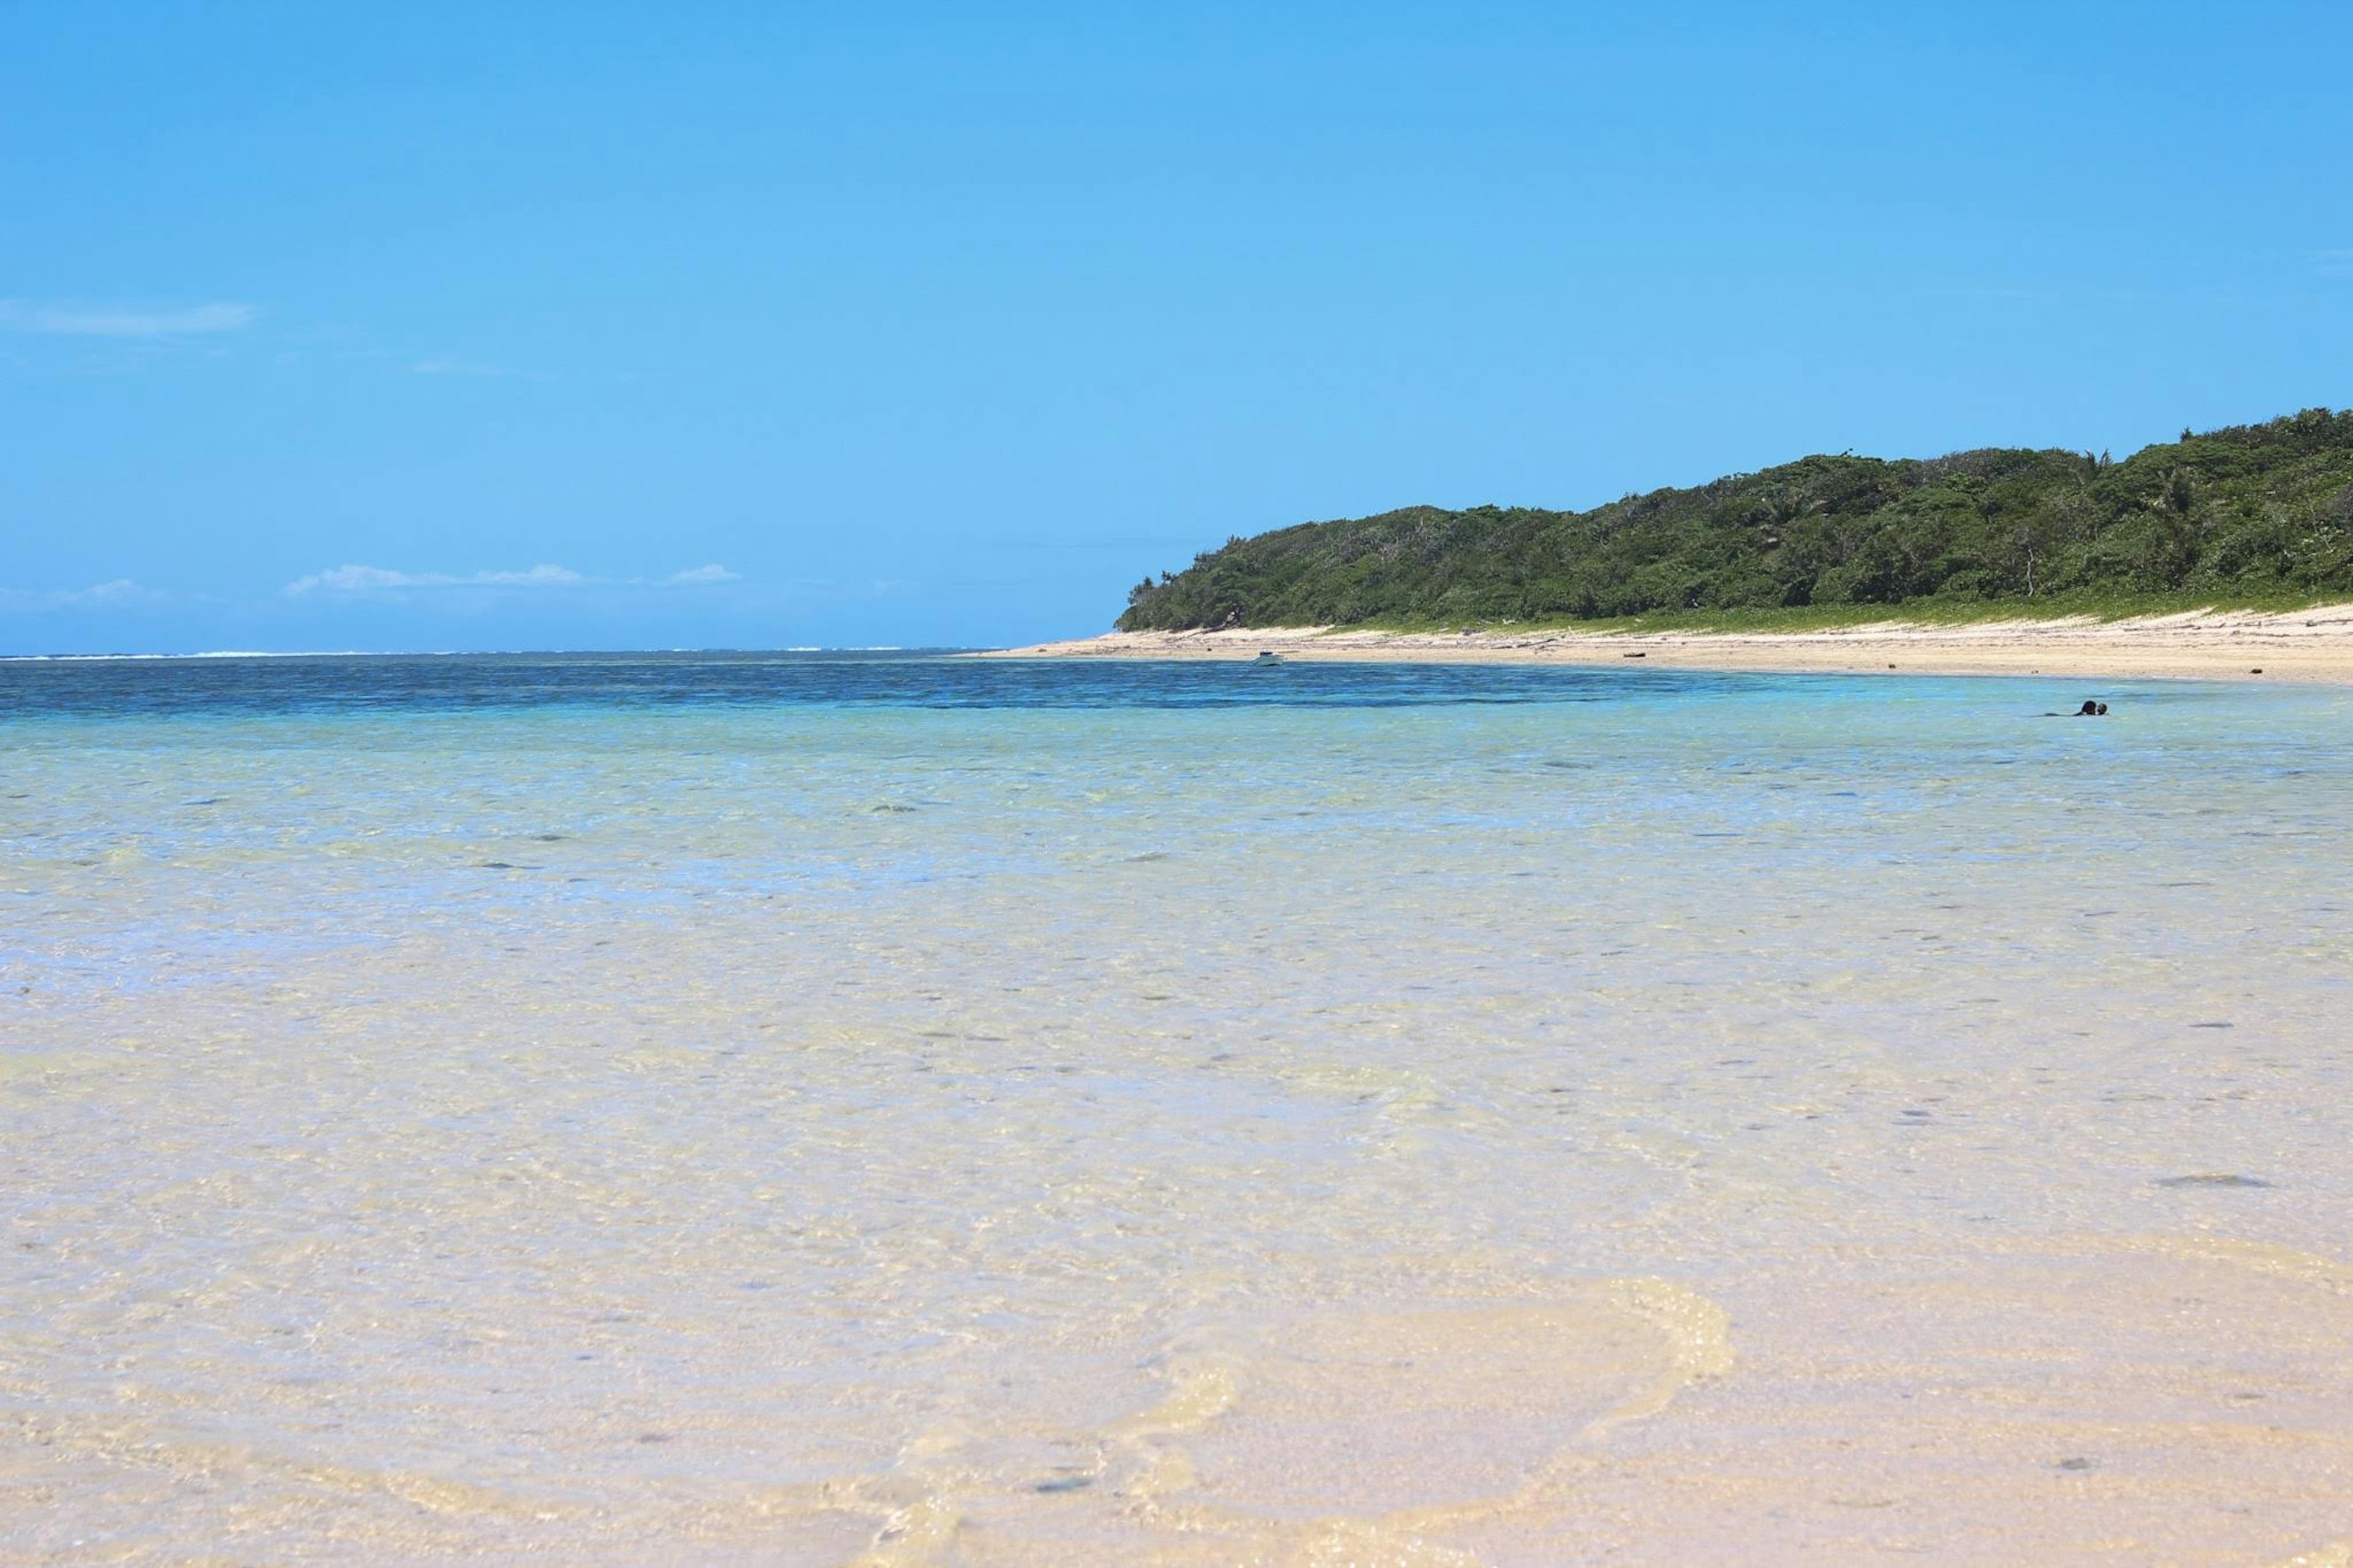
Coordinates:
[915,1111]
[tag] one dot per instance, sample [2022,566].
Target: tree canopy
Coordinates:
[2247,511]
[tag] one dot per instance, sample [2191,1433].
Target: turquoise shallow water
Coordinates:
[948,1110]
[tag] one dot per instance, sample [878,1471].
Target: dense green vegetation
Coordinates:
[2255,513]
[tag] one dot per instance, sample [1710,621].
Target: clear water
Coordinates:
[910,1109]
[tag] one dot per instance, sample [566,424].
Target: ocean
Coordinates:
[900,1109]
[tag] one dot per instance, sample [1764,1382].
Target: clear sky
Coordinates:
[485,325]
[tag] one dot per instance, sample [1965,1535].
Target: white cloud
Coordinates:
[118,593]
[379,579]
[353,580]
[363,580]
[221,316]
[540,577]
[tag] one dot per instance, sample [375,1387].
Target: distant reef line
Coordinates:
[2256,515]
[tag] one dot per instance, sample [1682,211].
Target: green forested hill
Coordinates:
[2254,511]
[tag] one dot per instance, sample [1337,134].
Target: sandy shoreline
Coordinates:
[2313,645]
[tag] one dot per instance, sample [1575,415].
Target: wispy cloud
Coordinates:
[118,593]
[2335,263]
[108,322]
[379,580]
[366,579]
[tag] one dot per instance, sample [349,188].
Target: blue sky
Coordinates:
[440,326]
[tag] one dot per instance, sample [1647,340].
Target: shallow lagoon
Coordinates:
[944,1112]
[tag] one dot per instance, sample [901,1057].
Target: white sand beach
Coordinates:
[2315,645]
